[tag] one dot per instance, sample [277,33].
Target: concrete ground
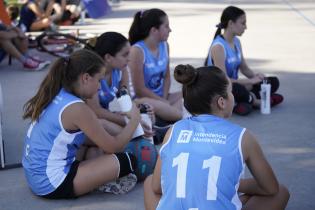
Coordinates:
[279,41]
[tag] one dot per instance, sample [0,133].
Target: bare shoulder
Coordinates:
[134,50]
[217,48]
[77,110]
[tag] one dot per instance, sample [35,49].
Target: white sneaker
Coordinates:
[120,186]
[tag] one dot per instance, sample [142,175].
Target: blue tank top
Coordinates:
[27,16]
[233,57]
[154,68]
[49,150]
[106,94]
[202,164]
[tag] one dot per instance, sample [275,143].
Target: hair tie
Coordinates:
[219,25]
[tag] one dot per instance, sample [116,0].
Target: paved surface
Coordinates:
[279,41]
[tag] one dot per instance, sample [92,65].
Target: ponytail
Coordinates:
[48,89]
[142,23]
[135,32]
[64,73]
[229,13]
[218,32]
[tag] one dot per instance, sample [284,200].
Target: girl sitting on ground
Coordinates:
[61,121]
[203,157]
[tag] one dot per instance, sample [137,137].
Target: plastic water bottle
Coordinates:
[146,118]
[265,97]
[125,105]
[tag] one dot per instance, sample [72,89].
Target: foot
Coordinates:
[34,65]
[120,186]
[275,99]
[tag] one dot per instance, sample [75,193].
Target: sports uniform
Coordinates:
[154,68]
[202,164]
[49,150]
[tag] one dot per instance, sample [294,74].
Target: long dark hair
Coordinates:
[200,86]
[63,73]
[142,23]
[229,13]
[109,43]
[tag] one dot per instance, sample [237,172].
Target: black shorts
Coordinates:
[66,189]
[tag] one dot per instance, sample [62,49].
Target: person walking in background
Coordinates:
[226,53]
[149,63]
[60,122]
[203,157]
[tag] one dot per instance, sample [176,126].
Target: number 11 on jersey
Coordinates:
[212,163]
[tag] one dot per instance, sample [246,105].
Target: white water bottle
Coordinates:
[265,97]
[146,119]
[125,105]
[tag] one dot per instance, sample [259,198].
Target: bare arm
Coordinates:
[136,69]
[218,57]
[167,79]
[88,123]
[124,79]
[156,179]
[102,113]
[35,8]
[244,68]
[264,181]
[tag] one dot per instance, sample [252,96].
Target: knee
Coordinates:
[284,193]
[241,94]
[275,83]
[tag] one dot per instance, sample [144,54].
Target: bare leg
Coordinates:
[151,199]
[40,24]
[176,100]
[21,44]
[95,172]
[275,202]
[9,47]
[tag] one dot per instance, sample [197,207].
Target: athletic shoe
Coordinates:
[36,58]
[120,186]
[34,65]
[243,109]
[275,99]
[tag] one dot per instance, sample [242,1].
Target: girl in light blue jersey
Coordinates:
[60,123]
[226,53]
[114,48]
[203,157]
[149,62]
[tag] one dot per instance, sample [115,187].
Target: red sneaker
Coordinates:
[34,65]
[242,109]
[275,99]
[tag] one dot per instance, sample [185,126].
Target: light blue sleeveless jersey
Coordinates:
[106,94]
[49,150]
[233,57]
[202,164]
[154,69]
